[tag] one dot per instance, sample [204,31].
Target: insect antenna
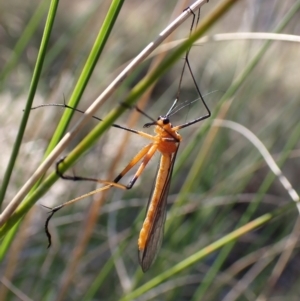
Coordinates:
[172,108]
[65,106]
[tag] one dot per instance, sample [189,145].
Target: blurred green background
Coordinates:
[220,179]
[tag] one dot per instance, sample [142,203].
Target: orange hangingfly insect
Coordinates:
[166,141]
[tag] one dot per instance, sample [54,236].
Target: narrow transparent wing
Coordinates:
[155,237]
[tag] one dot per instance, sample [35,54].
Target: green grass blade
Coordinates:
[32,90]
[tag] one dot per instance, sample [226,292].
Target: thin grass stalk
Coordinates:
[35,79]
[32,90]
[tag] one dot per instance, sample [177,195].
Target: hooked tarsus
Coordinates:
[51,213]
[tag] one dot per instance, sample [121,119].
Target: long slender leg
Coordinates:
[146,153]
[187,63]
[55,209]
[142,153]
[186,56]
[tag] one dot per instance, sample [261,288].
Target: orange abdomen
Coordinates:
[161,179]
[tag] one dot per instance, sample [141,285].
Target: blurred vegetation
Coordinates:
[220,181]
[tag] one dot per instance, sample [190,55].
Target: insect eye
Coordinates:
[166,121]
